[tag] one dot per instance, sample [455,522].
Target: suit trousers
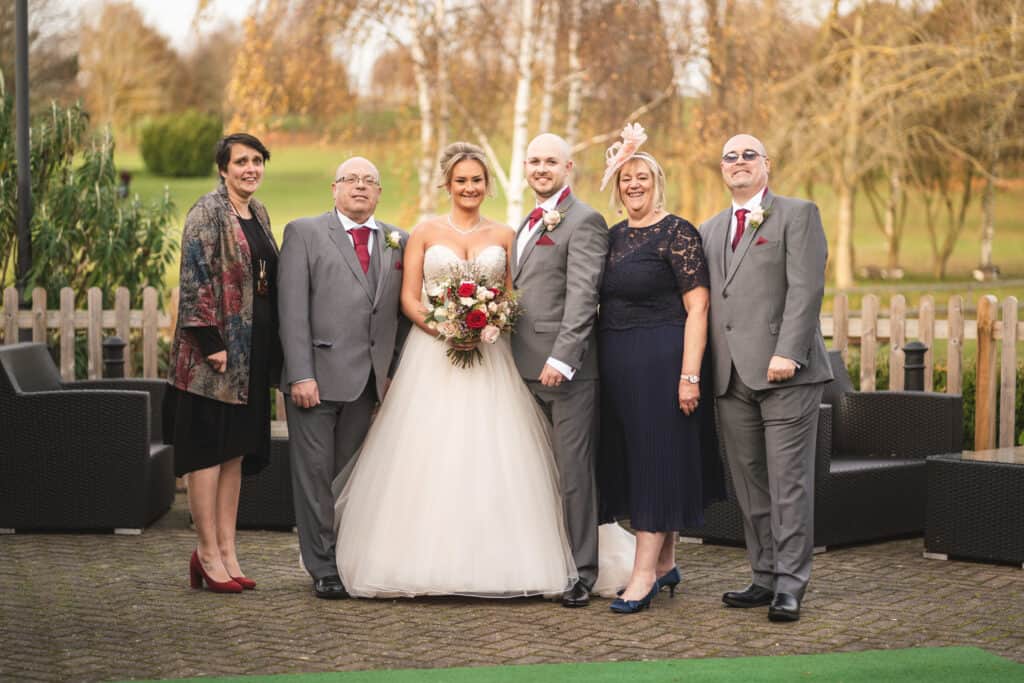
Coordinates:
[572,410]
[769,437]
[322,441]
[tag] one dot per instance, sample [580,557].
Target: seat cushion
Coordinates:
[849,464]
[30,368]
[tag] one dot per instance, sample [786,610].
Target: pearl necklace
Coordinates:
[464,231]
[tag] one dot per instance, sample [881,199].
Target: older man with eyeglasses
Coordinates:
[339,280]
[766,259]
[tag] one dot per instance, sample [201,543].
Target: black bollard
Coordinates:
[113,357]
[913,366]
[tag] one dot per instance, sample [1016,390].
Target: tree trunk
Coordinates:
[574,105]
[520,113]
[443,90]
[988,222]
[549,31]
[844,234]
[425,174]
[893,229]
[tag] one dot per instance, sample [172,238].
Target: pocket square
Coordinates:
[398,265]
[545,241]
[760,241]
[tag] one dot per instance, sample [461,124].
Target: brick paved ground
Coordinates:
[101,607]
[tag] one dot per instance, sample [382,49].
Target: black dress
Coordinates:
[206,432]
[657,466]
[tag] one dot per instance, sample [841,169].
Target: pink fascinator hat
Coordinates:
[633,136]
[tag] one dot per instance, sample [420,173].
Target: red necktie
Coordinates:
[741,222]
[535,216]
[361,238]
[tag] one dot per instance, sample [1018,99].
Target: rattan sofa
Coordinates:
[870,478]
[79,455]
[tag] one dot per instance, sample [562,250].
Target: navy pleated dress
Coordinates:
[657,466]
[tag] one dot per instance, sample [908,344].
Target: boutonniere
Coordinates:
[552,219]
[393,239]
[757,217]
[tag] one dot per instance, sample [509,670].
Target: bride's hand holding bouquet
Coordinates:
[465,308]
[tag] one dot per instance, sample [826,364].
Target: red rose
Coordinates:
[467,289]
[476,319]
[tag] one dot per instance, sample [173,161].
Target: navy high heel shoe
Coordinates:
[631,606]
[671,578]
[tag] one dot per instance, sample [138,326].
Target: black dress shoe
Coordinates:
[330,588]
[751,596]
[577,596]
[785,607]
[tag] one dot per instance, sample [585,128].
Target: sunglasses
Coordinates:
[748,155]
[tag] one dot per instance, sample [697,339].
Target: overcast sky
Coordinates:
[173,18]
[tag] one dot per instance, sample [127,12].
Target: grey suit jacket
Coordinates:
[334,327]
[767,301]
[559,285]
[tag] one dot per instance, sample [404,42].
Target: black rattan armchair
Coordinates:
[869,464]
[79,455]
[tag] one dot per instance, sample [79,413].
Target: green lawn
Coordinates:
[298,177]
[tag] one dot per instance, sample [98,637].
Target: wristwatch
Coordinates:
[692,379]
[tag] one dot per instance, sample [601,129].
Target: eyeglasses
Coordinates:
[748,155]
[370,180]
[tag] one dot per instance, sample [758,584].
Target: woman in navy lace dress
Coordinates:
[652,330]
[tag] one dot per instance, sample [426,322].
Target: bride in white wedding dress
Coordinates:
[455,490]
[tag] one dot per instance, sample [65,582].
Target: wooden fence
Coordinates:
[996,329]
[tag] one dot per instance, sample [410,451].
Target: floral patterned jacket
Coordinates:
[216,290]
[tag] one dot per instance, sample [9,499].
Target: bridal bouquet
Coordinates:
[465,307]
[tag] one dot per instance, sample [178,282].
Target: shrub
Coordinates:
[181,145]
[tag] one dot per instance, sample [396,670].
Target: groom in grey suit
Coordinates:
[339,279]
[766,258]
[557,263]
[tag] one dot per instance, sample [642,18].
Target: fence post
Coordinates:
[39,315]
[150,331]
[868,341]
[113,357]
[10,317]
[94,338]
[841,325]
[123,326]
[926,334]
[955,348]
[67,334]
[897,338]
[1008,372]
[985,392]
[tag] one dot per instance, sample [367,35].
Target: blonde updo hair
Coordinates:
[656,171]
[462,151]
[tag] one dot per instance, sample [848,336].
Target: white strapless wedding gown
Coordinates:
[455,490]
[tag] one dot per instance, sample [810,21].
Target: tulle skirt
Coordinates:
[455,490]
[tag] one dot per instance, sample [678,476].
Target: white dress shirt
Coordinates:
[751,204]
[348,224]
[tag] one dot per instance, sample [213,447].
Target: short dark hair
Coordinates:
[223,152]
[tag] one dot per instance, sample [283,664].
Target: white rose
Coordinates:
[492,307]
[436,290]
[440,313]
[489,334]
[448,329]
[467,301]
[756,217]
[551,219]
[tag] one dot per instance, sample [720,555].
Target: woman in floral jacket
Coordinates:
[225,356]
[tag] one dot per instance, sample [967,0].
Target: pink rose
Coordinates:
[489,334]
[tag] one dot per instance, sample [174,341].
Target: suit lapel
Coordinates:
[747,239]
[348,252]
[564,206]
[381,252]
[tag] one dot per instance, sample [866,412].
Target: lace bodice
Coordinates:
[439,258]
[647,272]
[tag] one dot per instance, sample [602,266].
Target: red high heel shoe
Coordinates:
[197,574]
[245,582]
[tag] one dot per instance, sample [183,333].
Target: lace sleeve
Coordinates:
[686,256]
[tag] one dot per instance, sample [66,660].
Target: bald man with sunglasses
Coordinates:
[766,259]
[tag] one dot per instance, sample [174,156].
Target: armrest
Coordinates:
[156,388]
[903,424]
